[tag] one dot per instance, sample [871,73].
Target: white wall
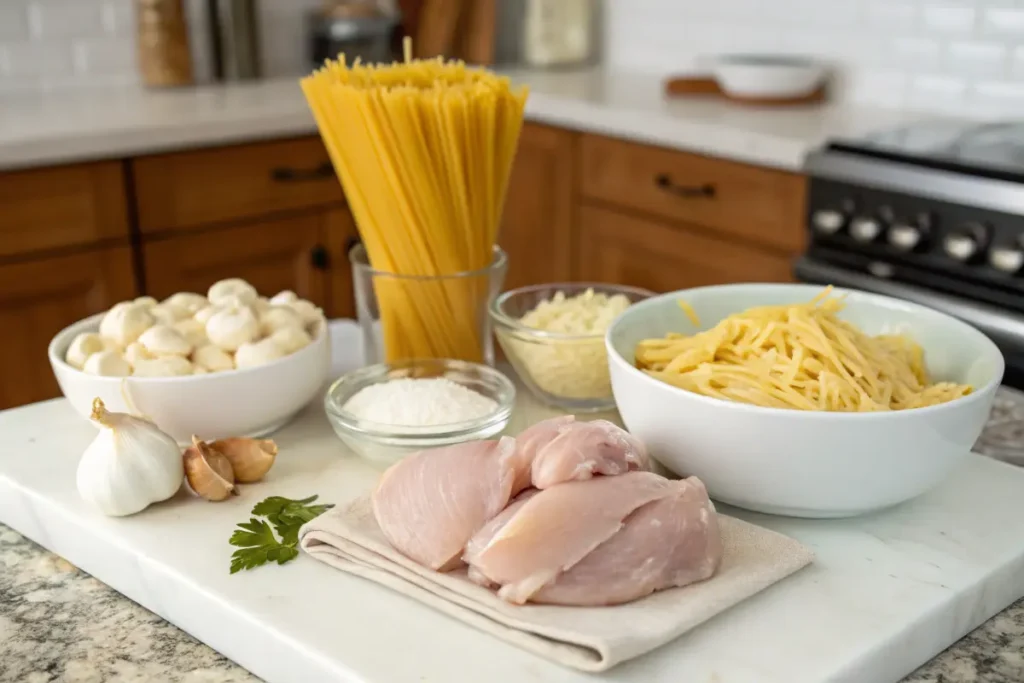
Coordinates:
[958,56]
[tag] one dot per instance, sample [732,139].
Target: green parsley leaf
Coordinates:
[256,540]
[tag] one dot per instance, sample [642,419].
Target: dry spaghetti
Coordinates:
[801,357]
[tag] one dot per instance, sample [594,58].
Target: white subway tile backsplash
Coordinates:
[54,19]
[937,93]
[104,58]
[985,59]
[948,18]
[1004,21]
[918,54]
[998,99]
[890,17]
[13,20]
[30,61]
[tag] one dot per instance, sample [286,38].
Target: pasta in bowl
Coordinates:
[793,399]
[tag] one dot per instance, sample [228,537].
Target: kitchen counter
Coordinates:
[59,624]
[62,127]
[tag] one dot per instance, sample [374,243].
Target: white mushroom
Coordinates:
[187,301]
[232,327]
[232,287]
[258,353]
[261,306]
[164,366]
[199,370]
[162,340]
[125,322]
[165,314]
[83,346]
[204,314]
[193,331]
[107,364]
[145,301]
[291,339]
[278,317]
[136,352]
[308,311]
[213,358]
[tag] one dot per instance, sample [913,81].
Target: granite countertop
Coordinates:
[59,624]
[37,130]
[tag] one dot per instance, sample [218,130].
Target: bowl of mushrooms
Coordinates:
[226,363]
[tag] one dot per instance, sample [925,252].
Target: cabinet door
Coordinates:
[536,229]
[40,298]
[341,236]
[616,247]
[272,255]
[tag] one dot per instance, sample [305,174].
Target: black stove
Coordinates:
[932,213]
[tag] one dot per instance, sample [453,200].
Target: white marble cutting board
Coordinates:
[887,592]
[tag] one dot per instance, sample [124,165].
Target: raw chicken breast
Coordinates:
[530,442]
[487,532]
[431,503]
[557,528]
[580,450]
[670,542]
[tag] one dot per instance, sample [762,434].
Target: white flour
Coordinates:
[418,403]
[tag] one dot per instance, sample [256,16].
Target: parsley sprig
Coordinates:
[255,539]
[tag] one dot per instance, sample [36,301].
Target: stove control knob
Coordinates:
[960,246]
[828,221]
[905,237]
[1006,259]
[865,229]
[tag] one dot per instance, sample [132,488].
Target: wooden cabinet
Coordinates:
[536,229]
[340,236]
[61,207]
[273,255]
[618,247]
[39,298]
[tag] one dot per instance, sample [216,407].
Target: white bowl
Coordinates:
[249,402]
[766,76]
[795,462]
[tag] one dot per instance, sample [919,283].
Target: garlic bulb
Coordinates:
[162,340]
[278,317]
[204,314]
[232,287]
[129,465]
[136,352]
[284,298]
[291,339]
[232,327]
[125,322]
[208,472]
[107,364]
[165,314]
[250,458]
[193,331]
[258,353]
[213,358]
[83,346]
[163,366]
[187,301]
[145,301]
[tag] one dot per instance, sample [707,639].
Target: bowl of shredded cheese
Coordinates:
[553,335]
[386,411]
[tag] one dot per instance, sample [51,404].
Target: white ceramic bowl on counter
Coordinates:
[249,402]
[805,463]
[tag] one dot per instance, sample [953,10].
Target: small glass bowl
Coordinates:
[384,444]
[566,371]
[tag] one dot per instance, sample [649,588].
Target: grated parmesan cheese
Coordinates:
[570,368]
[419,403]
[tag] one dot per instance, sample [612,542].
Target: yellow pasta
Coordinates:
[423,150]
[800,357]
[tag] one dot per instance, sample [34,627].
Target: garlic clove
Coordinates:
[193,331]
[111,345]
[83,346]
[199,370]
[163,340]
[107,364]
[208,472]
[204,314]
[232,287]
[258,353]
[136,352]
[125,322]
[162,366]
[250,459]
[189,302]
[291,339]
[145,301]
[278,317]
[129,465]
[284,298]
[232,327]
[213,358]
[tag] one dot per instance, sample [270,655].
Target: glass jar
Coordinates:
[558,33]
[415,317]
[164,56]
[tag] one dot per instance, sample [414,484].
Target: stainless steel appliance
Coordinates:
[932,213]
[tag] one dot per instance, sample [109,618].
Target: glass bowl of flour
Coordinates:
[386,411]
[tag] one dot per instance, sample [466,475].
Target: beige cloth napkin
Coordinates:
[585,638]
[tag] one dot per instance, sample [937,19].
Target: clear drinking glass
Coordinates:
[416,317]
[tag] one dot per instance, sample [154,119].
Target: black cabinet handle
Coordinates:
[319,257]
[706,190]
[298,175]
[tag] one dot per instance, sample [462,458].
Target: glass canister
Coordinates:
[405,317]
[558,33]
[164,56]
